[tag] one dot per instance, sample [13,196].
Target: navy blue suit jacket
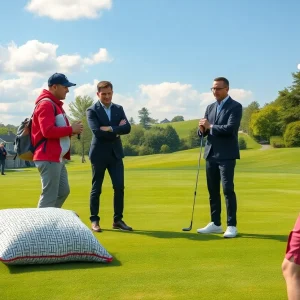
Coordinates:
[222,139]
[105,143]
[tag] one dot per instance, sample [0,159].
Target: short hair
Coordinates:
[225,80]
[103,85]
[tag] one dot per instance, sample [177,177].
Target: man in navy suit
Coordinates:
[221,124]
[107,121]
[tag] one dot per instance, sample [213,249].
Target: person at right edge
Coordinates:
[221,124]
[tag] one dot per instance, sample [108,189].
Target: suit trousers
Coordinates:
[2,164]
[115,169]
[216,171]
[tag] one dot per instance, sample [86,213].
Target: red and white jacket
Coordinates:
[54,127]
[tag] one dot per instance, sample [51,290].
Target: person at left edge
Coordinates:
[107,121]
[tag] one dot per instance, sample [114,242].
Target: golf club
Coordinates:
[195,193]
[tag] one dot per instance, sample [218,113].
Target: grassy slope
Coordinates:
[183,129]
[158,260]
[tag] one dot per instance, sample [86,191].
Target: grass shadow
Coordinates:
[276,237]
[173,234]
[202,237]
[17,269]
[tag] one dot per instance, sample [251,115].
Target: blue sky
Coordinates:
[161,54]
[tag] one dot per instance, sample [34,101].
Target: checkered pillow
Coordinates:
[47,235]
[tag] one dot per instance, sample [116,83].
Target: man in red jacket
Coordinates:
[50,123]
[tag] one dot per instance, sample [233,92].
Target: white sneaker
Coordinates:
[230,232]
[210,228]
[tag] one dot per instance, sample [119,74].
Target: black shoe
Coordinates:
[121,225]
[3,174]
[96,226]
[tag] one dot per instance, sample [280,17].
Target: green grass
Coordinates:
[158,260]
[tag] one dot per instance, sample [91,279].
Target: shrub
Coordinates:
[145,150]
[277,142]
[165,149]
[130,150]
[242,143]
[292,134]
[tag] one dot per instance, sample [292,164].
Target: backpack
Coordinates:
[23,145]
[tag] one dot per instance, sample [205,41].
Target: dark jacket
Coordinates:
[104,143]
[222,139]
[3,153]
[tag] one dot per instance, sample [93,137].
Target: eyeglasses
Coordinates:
[217,89]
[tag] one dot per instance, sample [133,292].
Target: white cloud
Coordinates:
[68,9]
[14,90]
[164,100]
[88,89]
[37,59]
[167,99]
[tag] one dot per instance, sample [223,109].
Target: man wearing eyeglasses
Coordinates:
[221,124]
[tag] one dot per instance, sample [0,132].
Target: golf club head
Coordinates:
[188,228]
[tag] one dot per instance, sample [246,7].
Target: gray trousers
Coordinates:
[55,185]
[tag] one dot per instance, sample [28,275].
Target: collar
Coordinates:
[223,101]
[105,106]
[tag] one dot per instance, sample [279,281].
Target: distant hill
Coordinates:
[183,128]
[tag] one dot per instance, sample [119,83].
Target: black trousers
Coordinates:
[2,164]
[115,169]
[221,171]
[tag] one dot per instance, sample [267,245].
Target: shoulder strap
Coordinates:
[49,100]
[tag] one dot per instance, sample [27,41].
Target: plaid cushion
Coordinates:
[47,235]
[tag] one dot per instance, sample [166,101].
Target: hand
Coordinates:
[204,123]
[77,127]
[106,128]
[201,128]
[123,122]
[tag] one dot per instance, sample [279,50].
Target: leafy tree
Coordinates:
[78,112]
[289,102]
[265,123]
[131,121]
[144,116]
[3,130]
[171,138]
[136,136]
[246,118]
[154,138]
[130,150]
[177,119]
[193,140]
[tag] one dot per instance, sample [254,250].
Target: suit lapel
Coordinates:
[101,112]
[222,112]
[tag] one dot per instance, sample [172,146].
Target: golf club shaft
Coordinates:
[195,193]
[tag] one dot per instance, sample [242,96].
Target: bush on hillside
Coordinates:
[292,135]
[130,150]
[145,150]
[165,149]
[277,142]
[242,143]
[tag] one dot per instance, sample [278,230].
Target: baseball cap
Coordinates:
[58,78]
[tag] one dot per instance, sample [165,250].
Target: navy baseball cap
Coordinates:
[61,79]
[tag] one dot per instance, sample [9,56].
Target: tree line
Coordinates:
[277,122]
